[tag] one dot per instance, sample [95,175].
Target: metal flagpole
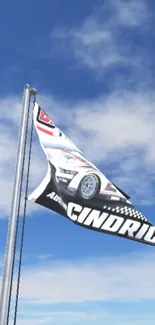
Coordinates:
[10,246]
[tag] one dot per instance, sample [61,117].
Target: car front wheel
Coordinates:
[89,186]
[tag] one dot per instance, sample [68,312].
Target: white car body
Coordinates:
[71,167]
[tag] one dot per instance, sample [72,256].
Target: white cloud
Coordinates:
[121,278]
[44,257]
[42,318]
[101,41]
[131,13]
[72,292]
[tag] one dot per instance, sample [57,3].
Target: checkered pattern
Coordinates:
[127,211]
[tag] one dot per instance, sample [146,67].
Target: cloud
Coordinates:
[65,317]
[87,290]
[131,13]
[104,41]
[44,257]
[115,279]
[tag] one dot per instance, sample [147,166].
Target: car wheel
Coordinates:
[89,186]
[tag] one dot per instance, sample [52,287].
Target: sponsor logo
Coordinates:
[44,119]
[80,158]
[123,226]
[53,196]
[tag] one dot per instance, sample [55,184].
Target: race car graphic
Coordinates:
[78,190]
[74,174]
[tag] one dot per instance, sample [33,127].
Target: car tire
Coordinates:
[89,186]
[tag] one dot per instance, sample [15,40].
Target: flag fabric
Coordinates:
[78,190]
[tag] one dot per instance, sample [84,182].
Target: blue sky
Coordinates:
[92,63]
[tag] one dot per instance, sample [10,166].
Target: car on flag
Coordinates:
[74,174]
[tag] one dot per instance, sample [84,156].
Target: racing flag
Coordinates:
[78,190]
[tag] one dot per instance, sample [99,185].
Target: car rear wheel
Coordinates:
[89,186]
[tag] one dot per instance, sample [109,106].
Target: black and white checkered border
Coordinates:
[127,211]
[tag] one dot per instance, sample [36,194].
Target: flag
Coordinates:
[78,190]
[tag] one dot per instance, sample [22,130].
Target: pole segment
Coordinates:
[10,245]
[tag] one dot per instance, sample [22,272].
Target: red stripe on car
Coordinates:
[45,131]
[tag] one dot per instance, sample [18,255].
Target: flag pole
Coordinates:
[10,245]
